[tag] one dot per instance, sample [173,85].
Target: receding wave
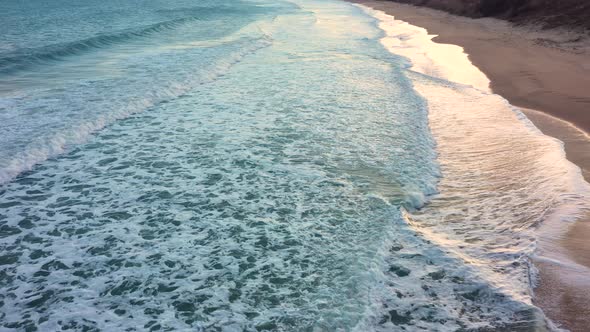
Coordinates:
[501,177]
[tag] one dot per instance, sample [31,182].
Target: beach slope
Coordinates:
[546,73]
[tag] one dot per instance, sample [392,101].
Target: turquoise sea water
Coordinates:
[227,166]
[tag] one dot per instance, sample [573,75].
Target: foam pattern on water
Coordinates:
[501,177]
[273,197]
[57,103]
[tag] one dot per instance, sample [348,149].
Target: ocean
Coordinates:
[303,165]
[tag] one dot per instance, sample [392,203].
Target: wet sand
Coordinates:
[540,70]
[547,74]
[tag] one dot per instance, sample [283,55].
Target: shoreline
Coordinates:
[516,61]
[547,84]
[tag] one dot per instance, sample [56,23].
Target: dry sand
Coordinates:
[547,73]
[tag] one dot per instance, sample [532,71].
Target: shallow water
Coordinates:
[255,165]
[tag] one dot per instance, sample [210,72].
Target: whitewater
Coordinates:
[262,165]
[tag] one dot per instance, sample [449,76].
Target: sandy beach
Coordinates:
[547,71]
[547,74]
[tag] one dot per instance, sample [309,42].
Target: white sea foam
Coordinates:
[502,178]
[279,196]
[28,149]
